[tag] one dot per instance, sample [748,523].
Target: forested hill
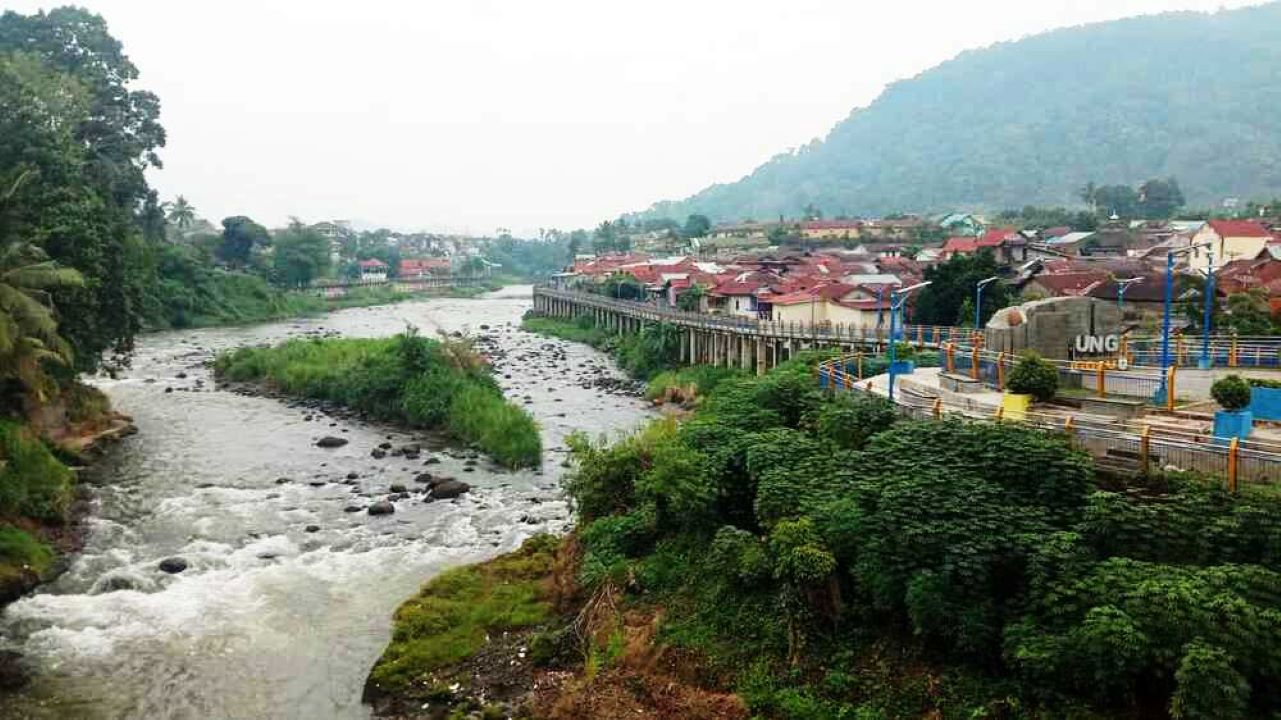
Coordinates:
[1190,95]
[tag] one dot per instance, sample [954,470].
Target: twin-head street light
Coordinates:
[978,300]
[897,299]
[1165,319]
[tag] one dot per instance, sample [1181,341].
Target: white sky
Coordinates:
[466,116]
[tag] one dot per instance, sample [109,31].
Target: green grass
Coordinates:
[19,548]
[448,620]
[582,330]
[406,379]
[33,483]
[704,378]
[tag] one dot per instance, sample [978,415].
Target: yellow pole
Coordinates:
[950,352]
[859,361]
[1000,371]
[1145,448]
[1000,412]
[1233,448]
[1169,389]
[974,362]
[1232,352]
[920,337]
[1101,379]
[938,408]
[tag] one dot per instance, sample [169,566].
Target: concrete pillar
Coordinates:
[744,352]
[760,356]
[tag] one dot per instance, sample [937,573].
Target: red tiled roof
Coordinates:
[995,237]
[1073,283]
[960,245]
[734,287]
[1239,228]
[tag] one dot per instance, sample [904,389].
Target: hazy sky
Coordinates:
[468,116]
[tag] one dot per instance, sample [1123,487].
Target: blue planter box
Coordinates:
[1265,403]
[902,367]
[1229,425]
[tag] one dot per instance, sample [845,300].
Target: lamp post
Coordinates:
[1121,287]
[1208,321]
[1165,316]
[897,300]
[978,300]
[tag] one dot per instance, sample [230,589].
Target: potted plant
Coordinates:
[1233,395]
[903,359]
[1032,378]
[1265,399]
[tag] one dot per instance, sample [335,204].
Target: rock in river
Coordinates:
[382,507]
[449,489]
[173,565]
[329,441]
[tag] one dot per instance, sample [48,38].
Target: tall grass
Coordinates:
[643,354]
[407,379]
[33,483]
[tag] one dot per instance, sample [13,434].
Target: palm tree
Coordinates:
[28,329]
[181,213]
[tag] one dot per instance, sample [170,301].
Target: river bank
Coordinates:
[269,619]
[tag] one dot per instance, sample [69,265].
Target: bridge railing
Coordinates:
[1152,447]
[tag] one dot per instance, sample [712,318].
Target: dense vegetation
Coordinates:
[407,379]
[35,492]
[835,561]
[1033,121]
[644,354]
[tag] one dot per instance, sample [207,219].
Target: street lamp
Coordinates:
[1121,287]
[1165,317]
[978,300]
[1206,360]
[897,299]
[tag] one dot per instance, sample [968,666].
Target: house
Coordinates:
[962,224]
[1232,239]
[958,246]
[1008,245]
[834,303]
[1069,284]
[418,268]
[831,229]
[737,296]
[373,270]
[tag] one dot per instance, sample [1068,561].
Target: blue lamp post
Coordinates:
[897,299]
[1165,317]
[978,300]
[1206,360]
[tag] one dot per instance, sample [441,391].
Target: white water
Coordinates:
[270,621]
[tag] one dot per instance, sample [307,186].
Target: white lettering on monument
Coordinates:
[1097,344]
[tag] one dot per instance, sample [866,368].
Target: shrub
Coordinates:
[33,483]
[1231,392]
[1035,376]
[849,419]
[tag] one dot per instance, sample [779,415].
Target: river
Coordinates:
[270,620]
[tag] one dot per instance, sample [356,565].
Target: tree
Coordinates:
[577,239]
[605,238]
[812,212]
[1160,199]
[1119,200]
[1035,376]
[301,255]
[952,288]
[696,226]
[692,299]
[181,213]
[84,139]
[28,325]
[240,235]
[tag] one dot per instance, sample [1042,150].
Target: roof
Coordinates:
[997,237]
[1068,239]
[1073,283]
[960,245]
[372,263]
[1239,228]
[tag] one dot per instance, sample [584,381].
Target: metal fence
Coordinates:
[1142,448]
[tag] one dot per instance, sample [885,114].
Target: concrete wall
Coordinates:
[1051,326]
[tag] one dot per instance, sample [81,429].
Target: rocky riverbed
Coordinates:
[243,553]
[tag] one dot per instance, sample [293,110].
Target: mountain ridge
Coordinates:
[1192,95]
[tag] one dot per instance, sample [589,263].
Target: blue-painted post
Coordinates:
[1208,320]
[893,332]
[978,304]
[1165,324]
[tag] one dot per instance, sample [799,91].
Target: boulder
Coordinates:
[382,507]
[329,441]
[399,488]
[446,489]
[173,565]
[12,674]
